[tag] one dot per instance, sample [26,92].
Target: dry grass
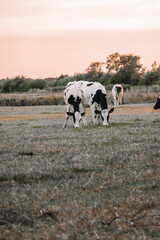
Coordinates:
[47,97]
[31,99]
[89,183]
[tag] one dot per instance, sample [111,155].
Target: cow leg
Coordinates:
[94,115]
[67,116]
[120,101]
[83,112]
[98,119]
[115,101]
[98,114]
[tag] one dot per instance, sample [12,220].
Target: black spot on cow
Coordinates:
[89,84]
[69,85]
[74,102]
[71,100]
[100,98]
[66,91]
[157,105]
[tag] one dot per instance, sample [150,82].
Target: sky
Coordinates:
[47,38]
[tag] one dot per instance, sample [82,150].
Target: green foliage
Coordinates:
[6,86]
[38,83]
[105,79]
[149,78]
[14,85]
[94,72]
[125,69]
[21,84]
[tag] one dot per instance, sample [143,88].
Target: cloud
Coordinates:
[94,3]
[41,16]
[153,6]
[51,24]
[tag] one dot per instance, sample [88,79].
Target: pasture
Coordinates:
[87,183]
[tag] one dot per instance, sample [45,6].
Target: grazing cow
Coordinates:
[95,97]
[117,93]
[157,105]
[73,97]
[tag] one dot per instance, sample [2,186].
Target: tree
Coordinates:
[154,66]
[94,71]
[127,67]
[113,62]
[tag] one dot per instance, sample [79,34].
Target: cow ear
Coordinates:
[111,110]
[70,113]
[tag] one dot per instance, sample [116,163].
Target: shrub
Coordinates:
[14,85]
[38,83]
[5,88]
[21,84]
[149,78]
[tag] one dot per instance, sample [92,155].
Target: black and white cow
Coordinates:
[117,93]
[73,97]
[157,105]
[95,97]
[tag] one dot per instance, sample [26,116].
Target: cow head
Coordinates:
[157,105]
[105,115]
[75,102]
[76,118]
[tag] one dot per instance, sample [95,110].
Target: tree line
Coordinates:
[118,68]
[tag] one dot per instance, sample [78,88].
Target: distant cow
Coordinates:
[117,93]
[157,105]
[95,96]
[73,97]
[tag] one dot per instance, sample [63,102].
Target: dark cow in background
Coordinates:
[73,97]
[95,97]
[117,93]
[157,105]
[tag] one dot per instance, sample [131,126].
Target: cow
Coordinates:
[73,98]
[117,93]
[95,97]
[157,104]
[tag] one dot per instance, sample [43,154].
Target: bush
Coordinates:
[149,78]
[5,88]
[40,84]
[105,79]
[21,84]
[14,85]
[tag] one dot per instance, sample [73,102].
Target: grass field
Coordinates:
[88,183]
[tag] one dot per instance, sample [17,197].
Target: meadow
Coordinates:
[94,182]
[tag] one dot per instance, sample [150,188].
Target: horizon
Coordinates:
[48,38]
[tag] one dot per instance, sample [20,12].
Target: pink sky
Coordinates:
[47,38]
